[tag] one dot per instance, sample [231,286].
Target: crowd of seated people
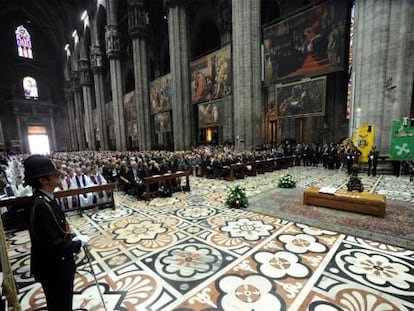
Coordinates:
[129,168]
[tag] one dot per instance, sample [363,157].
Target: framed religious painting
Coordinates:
[208,114]
[211,76]
[162,122]
[161,94]
[301,99]
[307,44]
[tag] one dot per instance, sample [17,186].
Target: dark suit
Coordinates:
[372,162]
[52,261]
[136,180]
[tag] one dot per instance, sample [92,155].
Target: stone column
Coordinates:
[85,82]
[224,25]
[247,96]
[224,21]
[383,64]
[183,120]
[19,128]
[97,69]
[138,21]
[70,114]
[2,141]
[113,52]
[52,130]
[80,131]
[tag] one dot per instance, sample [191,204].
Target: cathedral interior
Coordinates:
[140,75]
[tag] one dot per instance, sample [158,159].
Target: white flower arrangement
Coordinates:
[236,197]
[287,180]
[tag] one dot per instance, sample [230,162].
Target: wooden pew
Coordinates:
[251,168]
[19,206]
[80,191]
[165,178]
[269,164]
[16,216]
[236,167]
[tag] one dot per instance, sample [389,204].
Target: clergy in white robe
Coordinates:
[65,184]
[80,180]
[97,179]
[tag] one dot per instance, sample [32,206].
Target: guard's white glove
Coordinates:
[82,238]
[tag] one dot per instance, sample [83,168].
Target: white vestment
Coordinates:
[102,196]
[83,181]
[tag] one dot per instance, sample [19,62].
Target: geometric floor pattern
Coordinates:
[190,252]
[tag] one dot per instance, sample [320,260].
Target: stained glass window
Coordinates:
[24,44]
[30,88]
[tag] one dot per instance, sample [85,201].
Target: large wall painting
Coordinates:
[160,94]
[162,122]
[301,99]
[208,114]
[130,114]
[307,44]
[211,76]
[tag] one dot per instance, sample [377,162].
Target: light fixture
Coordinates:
[84,14]
[74,33]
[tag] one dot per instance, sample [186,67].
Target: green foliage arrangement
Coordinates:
[236,197]
[286,180]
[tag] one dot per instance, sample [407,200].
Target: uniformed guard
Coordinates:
[53,244]
[373,161]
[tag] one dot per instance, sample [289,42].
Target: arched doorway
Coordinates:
[38,140]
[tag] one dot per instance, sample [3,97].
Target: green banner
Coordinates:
[402,140]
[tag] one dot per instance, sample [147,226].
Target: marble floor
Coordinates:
[190,252]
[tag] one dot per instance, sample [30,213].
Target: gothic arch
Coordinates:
[85,42]
[100,25]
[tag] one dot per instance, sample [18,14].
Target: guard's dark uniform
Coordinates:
[52,261]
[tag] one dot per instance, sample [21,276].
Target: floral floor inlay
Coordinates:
[190,252]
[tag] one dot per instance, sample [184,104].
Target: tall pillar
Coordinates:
[224,25]
[183,121]
[80,131]
[52,130]
[85,82]
[224,21]
[247,94]
[383,64]
[19,128]
[113,51]
[138,28]
[97,69]
[71,115]
[2,141]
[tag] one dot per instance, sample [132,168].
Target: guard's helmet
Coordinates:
[37,166]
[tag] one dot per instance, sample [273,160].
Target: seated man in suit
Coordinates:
[136,179]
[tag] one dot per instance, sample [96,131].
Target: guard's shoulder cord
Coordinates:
[46,200]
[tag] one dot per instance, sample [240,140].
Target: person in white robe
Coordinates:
[80,180]
[97,179]
[66,203]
